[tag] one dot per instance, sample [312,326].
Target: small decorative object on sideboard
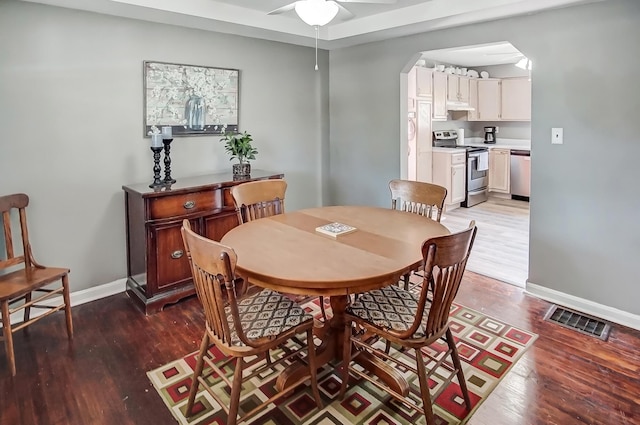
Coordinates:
[238,145]
[156,147]
[335,229]
[167,138]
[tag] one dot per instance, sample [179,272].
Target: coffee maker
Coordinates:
[490,135]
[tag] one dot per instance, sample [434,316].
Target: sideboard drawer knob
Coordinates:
[189,205]
[177,254]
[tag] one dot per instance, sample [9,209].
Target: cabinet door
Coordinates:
[439,96]
[424,82]
[489,100]
[452,88]
[215,227]
[473,100]
[424,144]
[463,89]
[168,263]
[411,88]
[499,169]
[458,180]
[516,99]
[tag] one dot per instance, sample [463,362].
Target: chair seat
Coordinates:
[389,308]
[21,282]
[266,313]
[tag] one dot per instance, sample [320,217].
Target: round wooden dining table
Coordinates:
[285,253]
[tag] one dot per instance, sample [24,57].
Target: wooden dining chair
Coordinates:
[25,284]
[420,198]
[243,327]
[260,199]
[411,321]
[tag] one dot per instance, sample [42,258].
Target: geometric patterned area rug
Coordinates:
[488,349]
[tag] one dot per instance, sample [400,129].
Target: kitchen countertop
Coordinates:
[448,150]
[519,144]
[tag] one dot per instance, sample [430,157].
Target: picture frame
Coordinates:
[193,100]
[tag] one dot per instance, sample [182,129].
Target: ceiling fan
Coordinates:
[320,12]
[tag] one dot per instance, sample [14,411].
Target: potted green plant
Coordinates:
[238,145]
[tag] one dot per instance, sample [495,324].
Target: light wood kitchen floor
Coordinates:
[501,248]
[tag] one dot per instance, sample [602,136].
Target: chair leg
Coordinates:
[67,305]
[405,279]
[324,313]
[8,336]
[346,359]
[27,310]
[424,388]
[313,367]
[195,383]
[234,400]
[458,365]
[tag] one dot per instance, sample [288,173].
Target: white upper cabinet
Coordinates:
[473,100]
[439,96]
[424,82]
[488,100]
[457,88]
[516,99]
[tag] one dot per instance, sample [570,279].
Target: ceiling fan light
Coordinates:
[316,12]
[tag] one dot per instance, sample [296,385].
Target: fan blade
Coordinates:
[368,1]
[283,9]
[343,10]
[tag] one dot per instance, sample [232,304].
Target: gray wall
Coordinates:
[71,122]
[585,196]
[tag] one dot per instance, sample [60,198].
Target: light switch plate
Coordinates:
[556,136]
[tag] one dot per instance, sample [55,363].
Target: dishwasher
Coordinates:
[520,174]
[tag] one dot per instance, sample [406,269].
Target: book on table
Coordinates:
[335,229]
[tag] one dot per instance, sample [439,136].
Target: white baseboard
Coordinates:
[78,298]
[585,306]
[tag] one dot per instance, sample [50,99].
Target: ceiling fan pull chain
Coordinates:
[316,47]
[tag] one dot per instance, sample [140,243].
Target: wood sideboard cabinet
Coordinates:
[157,266]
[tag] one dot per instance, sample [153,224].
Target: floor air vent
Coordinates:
[578,321]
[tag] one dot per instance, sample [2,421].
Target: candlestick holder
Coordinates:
[157,182]
[167,162]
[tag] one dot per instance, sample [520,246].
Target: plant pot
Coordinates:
[242,170]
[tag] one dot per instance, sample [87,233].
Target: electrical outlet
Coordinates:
[556,136]
[497,130]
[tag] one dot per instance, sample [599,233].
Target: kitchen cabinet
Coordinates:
[457,88]
[439,96]
[411,89]
[488,99]
[473,100]
[157,266]
[424,82]
[516,99]
[499,170]
[449,171]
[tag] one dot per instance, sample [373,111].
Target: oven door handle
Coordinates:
[474,155]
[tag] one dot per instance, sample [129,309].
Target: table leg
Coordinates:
[331,349]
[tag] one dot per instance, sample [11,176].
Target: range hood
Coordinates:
[459,106]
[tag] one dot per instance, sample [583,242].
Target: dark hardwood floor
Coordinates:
[99,377]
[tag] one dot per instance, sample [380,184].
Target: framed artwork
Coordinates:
[193,100]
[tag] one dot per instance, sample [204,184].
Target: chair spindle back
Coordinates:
[259,199]
[9,203]
[212,265]
[420,198]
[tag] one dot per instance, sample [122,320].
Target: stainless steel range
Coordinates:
[477,180]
